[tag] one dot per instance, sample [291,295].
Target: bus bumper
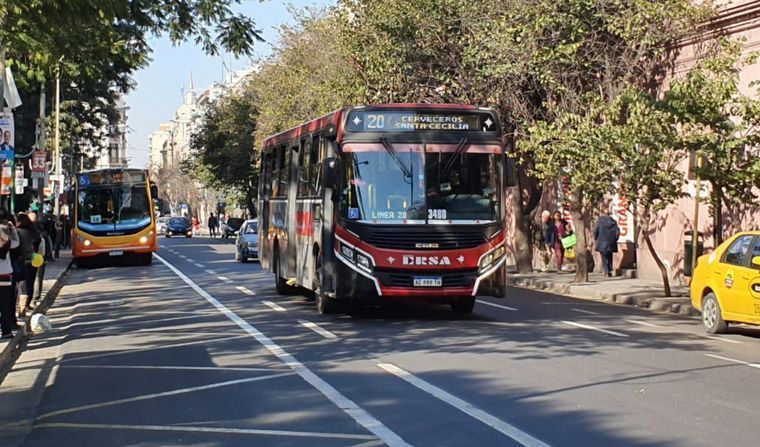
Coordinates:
[86,246]
[361,286]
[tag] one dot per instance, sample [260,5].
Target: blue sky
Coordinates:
[159,86]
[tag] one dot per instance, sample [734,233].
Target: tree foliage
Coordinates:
[224,147]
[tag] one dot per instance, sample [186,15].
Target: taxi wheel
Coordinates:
[711,315]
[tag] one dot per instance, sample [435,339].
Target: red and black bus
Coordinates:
[398,200]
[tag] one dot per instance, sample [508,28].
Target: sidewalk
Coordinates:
[642,293]
[54,272]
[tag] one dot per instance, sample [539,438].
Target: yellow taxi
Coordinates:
[725,285]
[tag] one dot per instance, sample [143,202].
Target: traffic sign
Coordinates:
[39,159]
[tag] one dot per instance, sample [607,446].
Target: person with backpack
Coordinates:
[8,240]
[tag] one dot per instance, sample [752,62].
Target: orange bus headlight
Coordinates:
[84,241]
[143,240]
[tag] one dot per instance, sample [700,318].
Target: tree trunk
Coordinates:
[523,253]
[579,227]
[663,271]
[717,204]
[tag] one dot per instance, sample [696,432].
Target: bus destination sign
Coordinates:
[110,178]
[402,121]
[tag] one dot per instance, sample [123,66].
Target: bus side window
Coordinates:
[304,158]
[315,159]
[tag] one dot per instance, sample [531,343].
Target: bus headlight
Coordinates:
[363,263]
[491,258]
[143,240]
[83,240]
[347,252]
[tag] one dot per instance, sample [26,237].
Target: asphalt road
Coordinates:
[200,350]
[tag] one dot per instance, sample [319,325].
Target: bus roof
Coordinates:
[103,170]
[334,119]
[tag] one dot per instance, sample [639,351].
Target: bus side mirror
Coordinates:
[510,174]
[330,172]
[70,197]
[154,191]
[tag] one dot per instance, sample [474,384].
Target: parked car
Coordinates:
[725,285]
[161,223]
[247,241]
[180,226]
[231,227]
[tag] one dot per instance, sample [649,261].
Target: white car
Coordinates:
[161,224]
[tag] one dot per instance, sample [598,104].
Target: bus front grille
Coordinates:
[429,239]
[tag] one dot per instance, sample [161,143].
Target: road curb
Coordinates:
[657,304]
[17,344]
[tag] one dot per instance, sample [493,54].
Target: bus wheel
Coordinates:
[280,283]
[146,259]
[325,304]
[464,305]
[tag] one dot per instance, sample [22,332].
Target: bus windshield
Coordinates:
[421,184]
[113,208]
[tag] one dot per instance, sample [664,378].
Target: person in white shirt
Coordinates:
[8,240]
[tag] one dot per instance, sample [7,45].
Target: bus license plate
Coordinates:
[115,253]
[428,281]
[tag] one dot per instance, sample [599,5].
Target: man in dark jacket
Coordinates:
[606,233]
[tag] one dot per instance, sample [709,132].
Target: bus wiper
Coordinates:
[394,155]
[457,152]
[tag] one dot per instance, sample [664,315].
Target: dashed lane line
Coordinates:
[171,368]
[725,340]
[274,306]
[729,359]
[492,421]
[162,394]
[245,290]
[642,323]
[583,311]
[199,265]
[357,413]
[219,430]
[594,328]
[223,278]
[500,306]
[318,329]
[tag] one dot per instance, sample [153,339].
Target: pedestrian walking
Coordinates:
[30,241]
[547,239]
[213,224]
[561,229]
[8,240]
[606,234]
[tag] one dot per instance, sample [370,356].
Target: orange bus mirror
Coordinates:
[756,261]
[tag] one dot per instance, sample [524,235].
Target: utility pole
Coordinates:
[695,230]
[57,159]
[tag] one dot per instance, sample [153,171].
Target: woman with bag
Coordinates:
[561,230]
[30,244]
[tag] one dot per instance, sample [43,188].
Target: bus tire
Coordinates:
[280,283]
[325,304]
[464,305]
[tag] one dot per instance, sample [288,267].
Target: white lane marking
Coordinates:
[211,272]
[274,306]
[497,305]
[223,278]
[583,311]
[593,328]
[199,265]
[729,359]
[185,428]
[173,368]
[375,443]
[245,290]
[642,323]
[317,328]
[162,394]
[492,421]
[356,412]
[727,340]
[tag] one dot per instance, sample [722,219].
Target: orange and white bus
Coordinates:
[112,215]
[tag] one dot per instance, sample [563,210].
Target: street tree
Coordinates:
[718,124]
[224,146]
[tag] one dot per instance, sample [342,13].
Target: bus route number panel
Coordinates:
[415,121]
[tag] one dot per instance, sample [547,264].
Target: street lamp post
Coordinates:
[57,141]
